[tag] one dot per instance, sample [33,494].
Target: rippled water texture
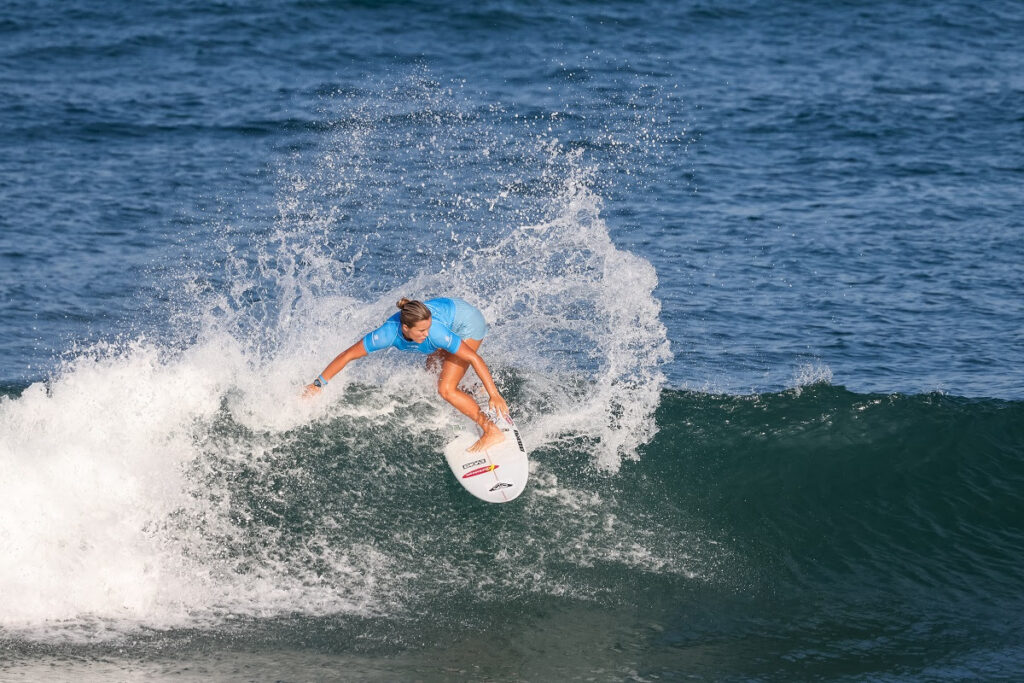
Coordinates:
[833,183]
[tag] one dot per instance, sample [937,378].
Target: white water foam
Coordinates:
[94,473]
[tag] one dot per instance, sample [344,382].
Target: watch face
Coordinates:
[317,383]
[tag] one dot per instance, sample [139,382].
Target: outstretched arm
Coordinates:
[357,350]
[467,354]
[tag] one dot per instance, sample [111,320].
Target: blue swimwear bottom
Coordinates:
[469,322]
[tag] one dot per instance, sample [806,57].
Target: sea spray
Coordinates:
[577,315]
[372,214]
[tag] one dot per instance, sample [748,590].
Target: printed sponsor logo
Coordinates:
[474,463]
[500,485]
[519,440]
[479,470]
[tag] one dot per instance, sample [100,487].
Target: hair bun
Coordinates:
[413,311]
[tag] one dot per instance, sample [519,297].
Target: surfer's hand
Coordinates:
[311,391]
[498,405]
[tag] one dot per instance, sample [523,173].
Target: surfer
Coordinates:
[450,330]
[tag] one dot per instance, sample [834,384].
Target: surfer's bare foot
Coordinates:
[492,436]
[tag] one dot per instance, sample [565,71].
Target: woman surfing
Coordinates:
[448,329]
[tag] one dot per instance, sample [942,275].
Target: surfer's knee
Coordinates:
[447,391]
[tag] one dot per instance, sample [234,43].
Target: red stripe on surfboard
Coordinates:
[480,470]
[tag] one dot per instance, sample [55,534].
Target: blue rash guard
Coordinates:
[444,315]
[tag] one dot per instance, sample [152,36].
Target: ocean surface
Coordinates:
[753,273]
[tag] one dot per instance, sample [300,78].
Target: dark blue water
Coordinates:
[753,272]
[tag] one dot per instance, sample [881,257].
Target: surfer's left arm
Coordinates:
[497,403]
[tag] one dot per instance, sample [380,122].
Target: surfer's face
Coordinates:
[417,332]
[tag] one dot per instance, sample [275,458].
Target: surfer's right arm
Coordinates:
[353,352]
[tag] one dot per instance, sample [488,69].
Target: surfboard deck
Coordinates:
[497,474]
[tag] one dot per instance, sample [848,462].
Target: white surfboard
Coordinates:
[497,474]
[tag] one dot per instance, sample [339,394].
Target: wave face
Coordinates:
[797,525]
[916,497]
[868,533]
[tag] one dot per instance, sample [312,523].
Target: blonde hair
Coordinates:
[412,311]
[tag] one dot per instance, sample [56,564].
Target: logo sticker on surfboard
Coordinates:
[480,470]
